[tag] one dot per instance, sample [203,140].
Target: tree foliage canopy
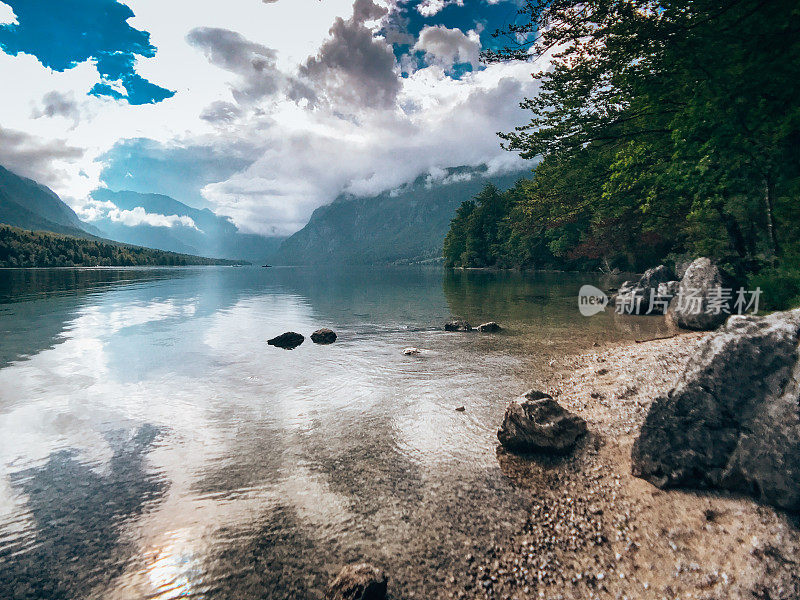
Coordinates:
[663,129]
[23,248]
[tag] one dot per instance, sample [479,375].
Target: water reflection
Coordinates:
[29,325]
[73,538]
[156,447]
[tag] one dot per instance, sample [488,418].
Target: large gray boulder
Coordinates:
[697,304]
[648,295]
[358,582]
[732,421]
[652,278]
[537,423]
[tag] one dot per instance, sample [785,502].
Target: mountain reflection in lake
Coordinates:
[153,446]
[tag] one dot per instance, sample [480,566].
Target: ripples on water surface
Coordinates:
[153,446]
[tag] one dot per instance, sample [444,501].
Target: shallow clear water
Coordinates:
[152,445]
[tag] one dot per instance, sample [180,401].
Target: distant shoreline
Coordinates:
[23,248]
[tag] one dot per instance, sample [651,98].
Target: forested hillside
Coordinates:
[30,205]
[665,131]
[21,248]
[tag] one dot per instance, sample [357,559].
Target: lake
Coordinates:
[152,445]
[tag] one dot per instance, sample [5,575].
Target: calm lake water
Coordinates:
[152,445]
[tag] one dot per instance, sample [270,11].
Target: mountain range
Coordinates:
[192,230]
[27,204]
[404,225]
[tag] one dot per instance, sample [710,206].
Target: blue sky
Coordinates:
[260,110]
[65,33]
[472,15]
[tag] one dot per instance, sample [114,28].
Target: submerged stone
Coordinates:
[457,325]
[288,341]
[323,336]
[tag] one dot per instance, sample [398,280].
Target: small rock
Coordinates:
[323,336]
[457,325]
[490,327]
[288,341]
[461,409]
[411,351]
[358,582]
[535,422]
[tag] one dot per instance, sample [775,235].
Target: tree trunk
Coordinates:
[769,193]
[734,232]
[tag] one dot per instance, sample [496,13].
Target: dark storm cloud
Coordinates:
[33,157]
[253,62]
[353,67]
[367,10]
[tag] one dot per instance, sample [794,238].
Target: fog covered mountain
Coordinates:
[404,225]
[158,221]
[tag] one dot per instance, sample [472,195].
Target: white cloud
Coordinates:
[447,47]
[429,8]
[314,121]
[95,210]
[7,15]
[138,216]
[310,159]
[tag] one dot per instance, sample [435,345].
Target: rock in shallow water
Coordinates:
[654,277]
[358,582]
[648,295]
[732,421]
[323,336]
[288,341]
[537,423]
[490,327]
[457,325]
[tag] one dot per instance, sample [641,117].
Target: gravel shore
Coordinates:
[597,532]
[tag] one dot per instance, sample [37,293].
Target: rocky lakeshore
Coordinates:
[596,531]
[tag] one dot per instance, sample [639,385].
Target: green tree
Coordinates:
[662,128]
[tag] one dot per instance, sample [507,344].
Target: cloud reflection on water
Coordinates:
[259,471]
